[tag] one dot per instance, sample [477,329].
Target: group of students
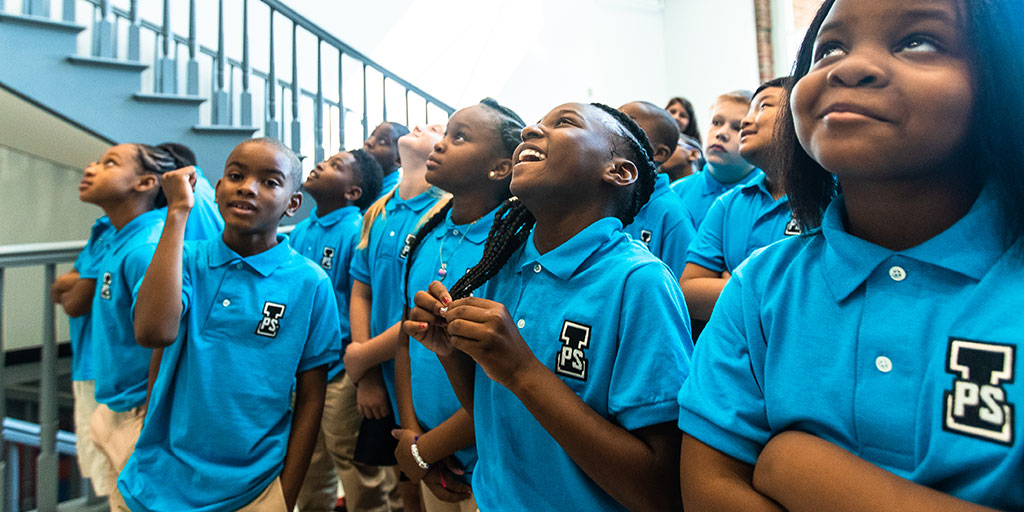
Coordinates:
[520,301]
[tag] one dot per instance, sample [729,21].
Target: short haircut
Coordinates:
[397,129]
[659,126]
[294,172]
[369,176]
[781,81]
[739,96]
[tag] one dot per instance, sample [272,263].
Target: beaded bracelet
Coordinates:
[416,454]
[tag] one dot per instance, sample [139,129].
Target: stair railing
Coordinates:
[282,103]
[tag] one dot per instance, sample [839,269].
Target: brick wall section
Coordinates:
[803,13]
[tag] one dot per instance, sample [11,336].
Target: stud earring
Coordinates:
[491,175]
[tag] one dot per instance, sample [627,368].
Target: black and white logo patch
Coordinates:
[271,322]
[645,237]
[572,360]
[327,258]
[408,246]
[792,227]
[105,286]
[977,405]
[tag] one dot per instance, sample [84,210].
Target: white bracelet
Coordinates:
[416,456]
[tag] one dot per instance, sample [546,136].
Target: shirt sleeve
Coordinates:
[654,349]
[186,282]
[323,342]
[677,240]
[707,249]
[722,402]
[360,268]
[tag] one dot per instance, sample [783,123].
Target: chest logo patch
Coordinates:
[977,405]
[271,322]
[645,237]
[408,245]
[105,286]
[792,227]
[572,357]
[327,258]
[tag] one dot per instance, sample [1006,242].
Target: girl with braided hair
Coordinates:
[571,353]
[473,162]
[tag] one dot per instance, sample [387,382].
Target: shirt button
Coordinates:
[226,303]
[455,232]
[537,268]
[897,273]
[884,364]
[392,233]
[238,266]
[521,323]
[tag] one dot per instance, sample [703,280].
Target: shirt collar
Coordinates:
[661,185]
[848,260]
[714,187]
[476,232]
[564,260]
[264,263]
[135,225]
[334,217]
[417,204]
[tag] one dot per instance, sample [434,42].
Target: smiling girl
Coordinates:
[873,363]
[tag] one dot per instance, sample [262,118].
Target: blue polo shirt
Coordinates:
[87,264]
[741,221]
[664,226]
[204,221]
[459,247]
[217,428]
[908,359]
[381,265]
[329,241]
[390,181]
[120,365]
[609,320]
[699,191]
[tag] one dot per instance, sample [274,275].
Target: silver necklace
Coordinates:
[443,271]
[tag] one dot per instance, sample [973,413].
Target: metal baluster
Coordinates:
[134,31]
[105,31]
[37,8]
[296,142]
[426,111]
[407,107]
[168,83]
[272,129]
[246,96]
[384,97]
[366,121]
[68,10]
[46,470]
[341,104]
[221,116]
[192,74]
[318,108]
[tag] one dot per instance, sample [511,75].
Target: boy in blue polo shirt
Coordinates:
[244,321]
[745,218]
[663,224]
[342,186]
[383,145]
[725,168]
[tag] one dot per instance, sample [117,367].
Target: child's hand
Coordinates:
[178,186]
[63,283]
[372,398]
[426,321]
[403,454]
[445,484]
[484,330]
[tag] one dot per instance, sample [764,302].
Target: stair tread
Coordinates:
[41,21]
[108,62]
[173,98]
[224,128]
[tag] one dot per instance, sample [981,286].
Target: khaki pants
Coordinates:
[270,500]
[432,504]
[115,434]
[367,488]
[92,463]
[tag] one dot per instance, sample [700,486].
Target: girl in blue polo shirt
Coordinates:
[570,356]
[744,219]
[874,363]
[125,183]
[474,163]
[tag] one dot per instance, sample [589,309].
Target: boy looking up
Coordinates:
[383,145]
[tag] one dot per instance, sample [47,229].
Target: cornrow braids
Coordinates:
[432,219]
[511,128]
[157,161]
[639,152]
[182,154]
[511,228]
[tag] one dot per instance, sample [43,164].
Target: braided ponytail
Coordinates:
[433,218]
[511,228]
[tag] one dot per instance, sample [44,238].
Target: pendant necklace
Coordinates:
[443,271]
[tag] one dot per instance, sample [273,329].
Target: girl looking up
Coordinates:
[569,357]
[474,163]
[874,363]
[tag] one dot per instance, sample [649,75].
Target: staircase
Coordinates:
[123,78]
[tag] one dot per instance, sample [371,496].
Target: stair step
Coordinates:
[40,21]
[225,129]
[108,63]
[169,98]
